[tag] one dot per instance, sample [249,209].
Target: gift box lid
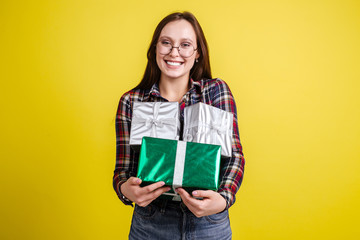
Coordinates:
[205,114]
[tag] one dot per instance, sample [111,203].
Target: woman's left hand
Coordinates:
[211,203]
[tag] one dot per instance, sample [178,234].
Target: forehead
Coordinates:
[180,29]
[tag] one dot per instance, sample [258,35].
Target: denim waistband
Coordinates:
[163,204]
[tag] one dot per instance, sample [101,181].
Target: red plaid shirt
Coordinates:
[214,92]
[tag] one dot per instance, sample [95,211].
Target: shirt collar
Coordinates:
[153,91]
[195,87]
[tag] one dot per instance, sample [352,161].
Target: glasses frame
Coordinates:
[178,48]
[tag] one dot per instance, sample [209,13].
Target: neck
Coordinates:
[173,89]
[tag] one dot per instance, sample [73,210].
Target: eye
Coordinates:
[165,43]
[185,45]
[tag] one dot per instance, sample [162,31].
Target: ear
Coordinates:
[197,55]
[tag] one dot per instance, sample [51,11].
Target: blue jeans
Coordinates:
[165,219]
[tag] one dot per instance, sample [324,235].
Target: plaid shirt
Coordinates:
[214,92]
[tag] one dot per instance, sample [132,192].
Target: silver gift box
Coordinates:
[207,124]
[154,119]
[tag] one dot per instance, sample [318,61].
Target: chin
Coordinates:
[173,76]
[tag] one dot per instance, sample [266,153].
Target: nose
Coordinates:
[174,53]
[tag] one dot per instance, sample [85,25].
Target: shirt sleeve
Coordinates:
[232,167]
[124,166]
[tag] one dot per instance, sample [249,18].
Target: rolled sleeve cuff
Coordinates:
[228,197]
[121,196]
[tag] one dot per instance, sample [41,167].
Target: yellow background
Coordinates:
[293,67]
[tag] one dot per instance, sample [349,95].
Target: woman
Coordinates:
[178,69]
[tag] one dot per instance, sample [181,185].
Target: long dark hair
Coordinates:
[200,70]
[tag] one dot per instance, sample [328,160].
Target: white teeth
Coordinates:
[173,63]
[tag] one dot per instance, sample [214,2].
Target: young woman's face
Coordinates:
[173,65]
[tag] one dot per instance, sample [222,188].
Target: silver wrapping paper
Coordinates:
[154,119]
[207,124]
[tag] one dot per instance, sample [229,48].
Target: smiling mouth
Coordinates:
[174,63]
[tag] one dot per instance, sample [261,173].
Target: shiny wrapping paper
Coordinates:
[161,160]
[207,124]
[154,119]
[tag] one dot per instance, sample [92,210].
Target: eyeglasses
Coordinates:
[185,49]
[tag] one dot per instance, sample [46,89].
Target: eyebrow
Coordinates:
[187,39]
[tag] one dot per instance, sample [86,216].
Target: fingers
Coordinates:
[202,193]
[149,188]
[159,191]
[134,181]
[156,193]
[188,200]
[154,186]
[147,198]
[145,195]
[198,207]
[142,195]
[184,194]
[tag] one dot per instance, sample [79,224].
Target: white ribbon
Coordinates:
[178,169]
[219,128]
[214,127]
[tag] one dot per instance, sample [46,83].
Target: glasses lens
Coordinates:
[164,47]
[185,49]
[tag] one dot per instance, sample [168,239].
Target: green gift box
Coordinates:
[188,165]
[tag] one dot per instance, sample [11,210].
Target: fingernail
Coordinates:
[195,193]
[138,181]
[162,183]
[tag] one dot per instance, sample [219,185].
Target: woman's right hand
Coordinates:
[142,196]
